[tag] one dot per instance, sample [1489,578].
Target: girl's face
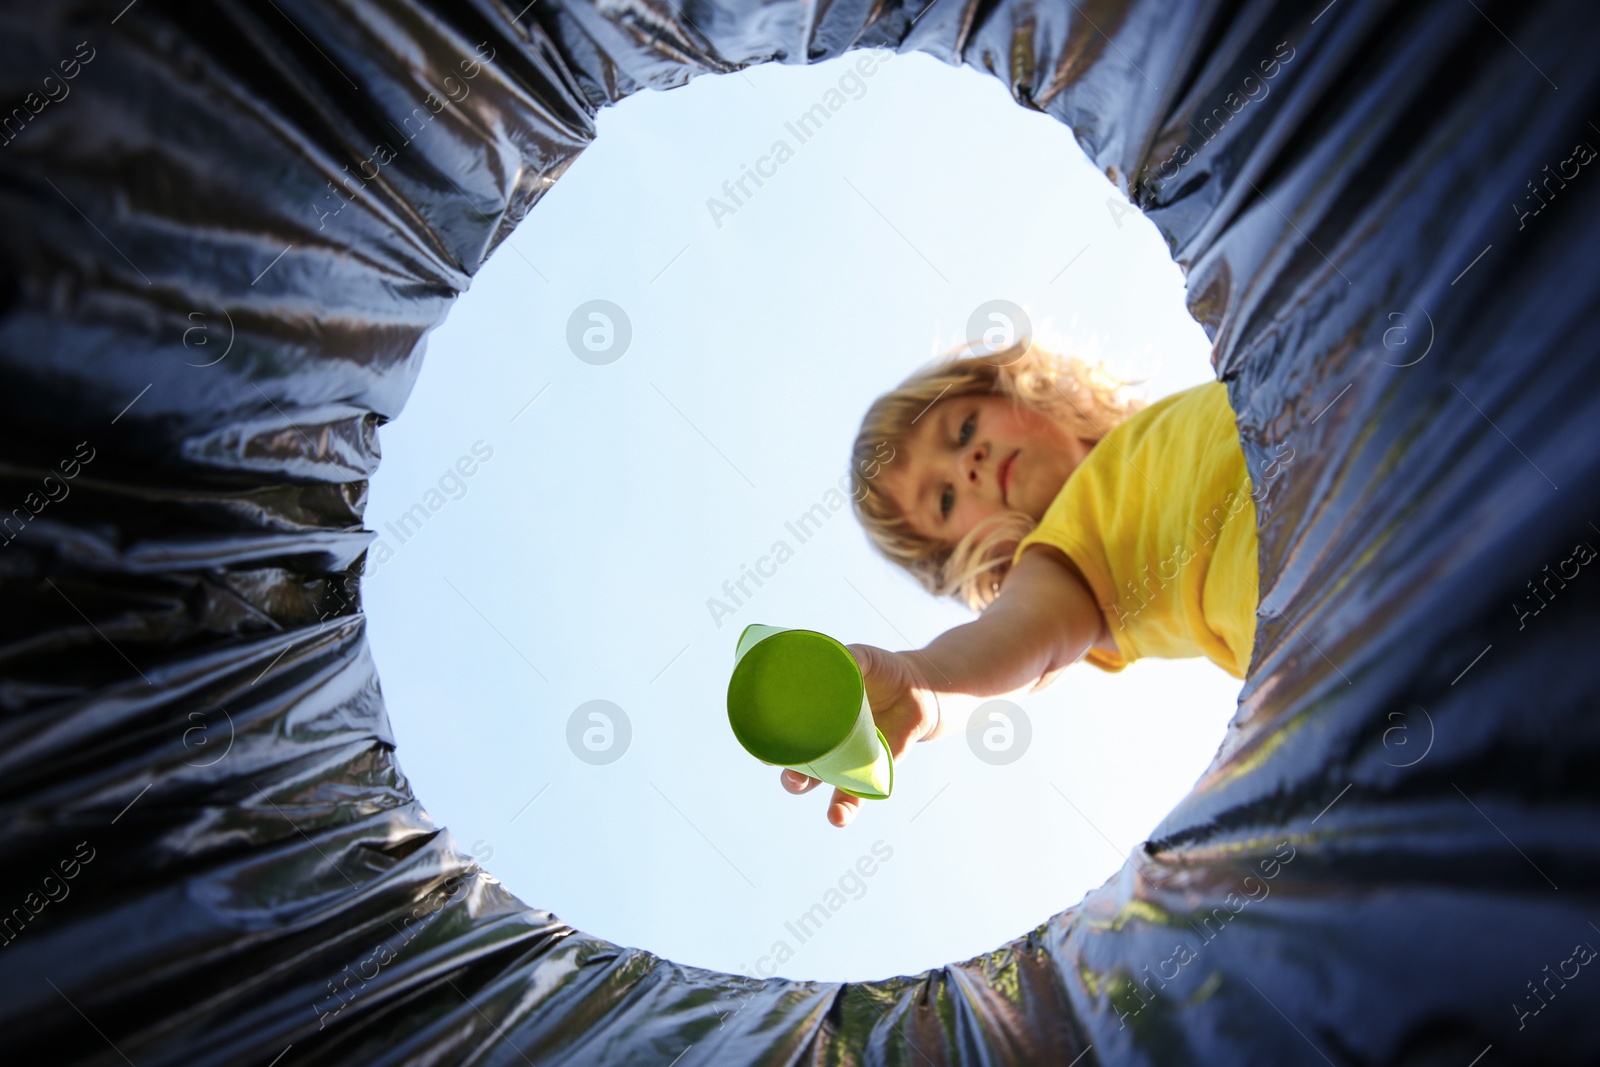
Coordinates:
[971,457]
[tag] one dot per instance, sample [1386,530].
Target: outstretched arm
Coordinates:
[1044,620]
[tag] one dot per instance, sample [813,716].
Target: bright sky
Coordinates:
[574,562]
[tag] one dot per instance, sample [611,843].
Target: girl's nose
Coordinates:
[977,458]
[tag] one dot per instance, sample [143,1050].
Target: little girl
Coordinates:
[1081,524]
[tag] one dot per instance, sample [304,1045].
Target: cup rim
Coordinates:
[860,687]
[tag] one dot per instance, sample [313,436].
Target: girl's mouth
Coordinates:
[1004,476]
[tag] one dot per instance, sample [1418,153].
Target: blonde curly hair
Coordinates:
[1086,400]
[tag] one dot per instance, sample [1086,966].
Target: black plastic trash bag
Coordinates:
[228,227]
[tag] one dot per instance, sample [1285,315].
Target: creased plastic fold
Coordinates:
[216,288]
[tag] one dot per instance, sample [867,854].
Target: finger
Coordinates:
[843,808]
[797,783]
[863,655]
[901,740]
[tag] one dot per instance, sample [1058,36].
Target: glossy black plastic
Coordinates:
[1384,210]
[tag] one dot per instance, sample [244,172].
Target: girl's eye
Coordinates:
[947,501]
[967,428]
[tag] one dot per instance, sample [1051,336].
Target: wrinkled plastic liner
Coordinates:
[227,230]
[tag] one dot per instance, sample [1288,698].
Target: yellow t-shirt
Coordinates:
[1160,519]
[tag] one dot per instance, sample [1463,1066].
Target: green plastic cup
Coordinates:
[797,699]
